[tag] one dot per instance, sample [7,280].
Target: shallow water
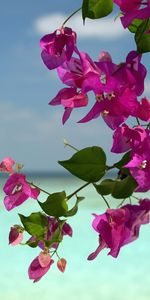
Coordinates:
[106,278]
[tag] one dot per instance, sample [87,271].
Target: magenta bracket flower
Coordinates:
[17,191]
[57,47]
[69,98]
[118,227]
[39,267]
[15,235]
[133,10]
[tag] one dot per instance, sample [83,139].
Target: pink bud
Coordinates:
[44,259]
[61,265]
[15,237]
[7,165]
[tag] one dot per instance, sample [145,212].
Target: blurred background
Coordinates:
[31,132]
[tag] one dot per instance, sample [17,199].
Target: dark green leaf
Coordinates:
[74,210]
[142,38]
[124,188]
[105,187]
[124,160]
[55,205]
[35,224]
[96,9]
[134,25]
[88,164]
[32,244]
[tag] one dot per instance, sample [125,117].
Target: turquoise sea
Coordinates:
[105,278]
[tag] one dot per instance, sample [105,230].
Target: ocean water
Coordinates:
[106,278]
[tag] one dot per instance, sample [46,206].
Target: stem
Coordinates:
[79,189]
[138,121]
[70,16]
[74,148]
[31,183]
[105,201]
[135,197]
[121,203]
[110,167]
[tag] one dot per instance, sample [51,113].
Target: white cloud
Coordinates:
[105,28]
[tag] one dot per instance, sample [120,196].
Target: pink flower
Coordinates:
[69,98]
[7,165]
[115,108]
[57,47]
[71,73]
[143,110]
[36,271]
[139,167]
[118,89]
[128,5]
[133,10]
[15,235]
[118,227]
[125,138]
[17,191]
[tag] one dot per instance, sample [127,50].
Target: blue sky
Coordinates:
[31,131]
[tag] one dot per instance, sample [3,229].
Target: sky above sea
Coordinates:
[31,131]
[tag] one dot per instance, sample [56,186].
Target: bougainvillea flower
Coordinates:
[69,98]
[118,227]
[133,10]
[71,73]
[143,110]
[36,271]
[15,236]
[125,138]
[139,167]
[131,74]
[141,13]
[61,265]
[57,47]
[17,191]
[7,165]
[115,108]
[128,5]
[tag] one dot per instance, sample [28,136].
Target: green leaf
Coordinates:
[134,25]
[96,9]
[105,187]
[124,188]
[74,210]
[35,224]
[124,160]
[32,244]
[142,38]
[88,164]
[55,205]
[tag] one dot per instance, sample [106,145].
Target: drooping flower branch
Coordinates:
[116,89]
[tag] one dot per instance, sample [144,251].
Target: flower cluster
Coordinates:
[118,227]
[118,94]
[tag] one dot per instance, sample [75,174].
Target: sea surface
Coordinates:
[105,278]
